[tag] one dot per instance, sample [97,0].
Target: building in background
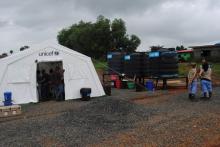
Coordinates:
[209,52]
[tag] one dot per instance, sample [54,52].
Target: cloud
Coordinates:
[3,23]
[118,6]
[157,22]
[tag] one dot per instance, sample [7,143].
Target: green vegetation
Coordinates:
[178,48]
[216,69]
[185,57]
[184,68]
[100,65]
[96,39]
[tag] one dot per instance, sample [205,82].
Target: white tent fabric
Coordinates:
[18,73]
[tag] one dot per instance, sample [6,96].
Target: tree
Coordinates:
[156,48]
[102,36]
[118,30]
[96,39]
[178,48]
[11,51]
[134,42]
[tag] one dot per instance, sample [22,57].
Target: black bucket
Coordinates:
[139,87]
[86,93]
[124,84]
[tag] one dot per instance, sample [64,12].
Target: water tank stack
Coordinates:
[160,63]
[154,61]
[163,63]
[133,65]
[168,64]
[115,62]
[145,64]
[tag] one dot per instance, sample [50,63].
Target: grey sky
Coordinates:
[156,22]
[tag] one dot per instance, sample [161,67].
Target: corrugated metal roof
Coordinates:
[205,46]
[185,51]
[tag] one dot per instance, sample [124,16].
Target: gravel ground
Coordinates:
[127,118]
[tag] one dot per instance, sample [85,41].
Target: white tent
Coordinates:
[18,73]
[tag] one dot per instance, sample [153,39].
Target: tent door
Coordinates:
[50,81]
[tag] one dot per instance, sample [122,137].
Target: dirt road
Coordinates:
[127,118]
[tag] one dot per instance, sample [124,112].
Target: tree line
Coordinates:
[98,38]
[158,47]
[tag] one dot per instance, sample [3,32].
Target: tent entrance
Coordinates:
[50,81]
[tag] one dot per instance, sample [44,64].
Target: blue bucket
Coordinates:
[6,103]
[150,85]
[8,97]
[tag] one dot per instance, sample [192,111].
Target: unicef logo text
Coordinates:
[51,53]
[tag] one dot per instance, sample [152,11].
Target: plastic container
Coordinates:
[115,62]
[118,84]
[85,93]
[124,84]
[113,77]
[8,99]
[112,83]
[8,96]
[150,85]
[133,65]
[6,103]
[131,85]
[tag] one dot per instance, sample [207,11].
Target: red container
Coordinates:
[114,77]
[118,84]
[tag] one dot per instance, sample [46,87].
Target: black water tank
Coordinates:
[115,62]
[145,65]
[133,65]
[154,61]
[168,64]
[163,63]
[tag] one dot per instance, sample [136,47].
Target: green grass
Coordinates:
[101,65]
[184,68]
[216,68]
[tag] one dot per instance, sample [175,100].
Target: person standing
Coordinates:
[39,83]
[45,85]
[52,83]
[59,84]
[192,77]
[206,80]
